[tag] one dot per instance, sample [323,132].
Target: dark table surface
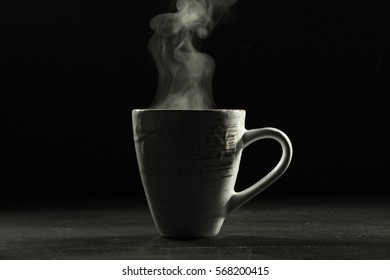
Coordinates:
[265,228]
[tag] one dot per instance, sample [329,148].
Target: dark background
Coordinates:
[71,72]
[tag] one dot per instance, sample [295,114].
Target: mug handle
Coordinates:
[250,136]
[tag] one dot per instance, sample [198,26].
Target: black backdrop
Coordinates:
[70,73]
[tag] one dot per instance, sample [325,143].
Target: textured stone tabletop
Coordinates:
[266,228]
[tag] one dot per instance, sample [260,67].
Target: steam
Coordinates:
[185,75]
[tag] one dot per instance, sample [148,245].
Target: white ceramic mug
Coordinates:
[189,160]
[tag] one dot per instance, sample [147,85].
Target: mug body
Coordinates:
[188,161]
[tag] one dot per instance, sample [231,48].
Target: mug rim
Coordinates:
[187,110]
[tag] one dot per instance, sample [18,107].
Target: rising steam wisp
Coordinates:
[185,75]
